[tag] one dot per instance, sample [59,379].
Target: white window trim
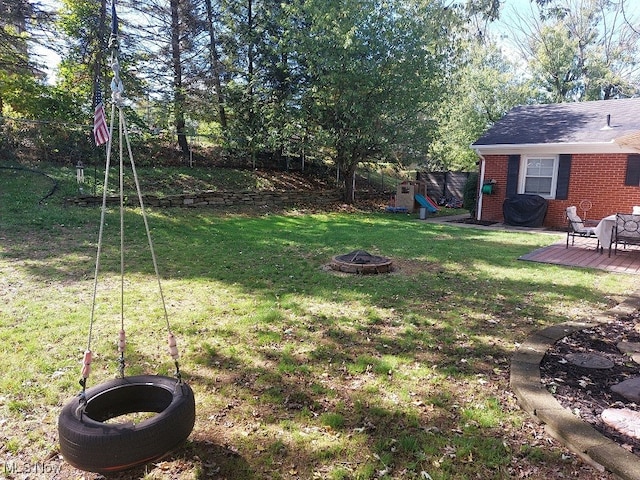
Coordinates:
[523,173]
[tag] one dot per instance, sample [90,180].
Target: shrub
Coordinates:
[470,193]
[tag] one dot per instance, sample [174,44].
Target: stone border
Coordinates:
[220,198]
[577,435]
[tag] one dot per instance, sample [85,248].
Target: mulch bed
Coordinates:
[585,391]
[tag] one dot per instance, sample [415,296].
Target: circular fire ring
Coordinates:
[361,262]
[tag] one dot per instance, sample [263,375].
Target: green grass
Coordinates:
[299,372]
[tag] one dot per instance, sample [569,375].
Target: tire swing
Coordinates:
[91,437]
[90,444]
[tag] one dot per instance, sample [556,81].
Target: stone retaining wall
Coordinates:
[222,199]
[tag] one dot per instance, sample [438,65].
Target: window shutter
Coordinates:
[564,170]
[633,171]
[513,171]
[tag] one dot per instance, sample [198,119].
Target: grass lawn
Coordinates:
[298,371]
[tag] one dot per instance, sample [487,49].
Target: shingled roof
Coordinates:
[589,123]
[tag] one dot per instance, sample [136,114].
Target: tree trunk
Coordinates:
[250,60]
[215,66]
[98,66]
[250,46]
[349,172]
[349,185]
[178,101]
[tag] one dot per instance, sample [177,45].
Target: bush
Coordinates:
[470,193]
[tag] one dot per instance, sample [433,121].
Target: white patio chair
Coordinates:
[579,228]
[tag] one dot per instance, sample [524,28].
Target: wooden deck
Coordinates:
[585,255]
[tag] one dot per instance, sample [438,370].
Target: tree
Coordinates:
[216,65]
[373,75]
[13,47]
[13,38]
[480,93]
[84,26]
[579,49]
[176,62]
[555,65]
[159,65]
[244,20]
[21,24]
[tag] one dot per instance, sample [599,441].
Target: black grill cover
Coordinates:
[524,210]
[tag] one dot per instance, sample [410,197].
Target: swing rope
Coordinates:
[86,368]
[117,90]
[121,335]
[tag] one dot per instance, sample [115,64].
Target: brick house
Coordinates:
[585,154]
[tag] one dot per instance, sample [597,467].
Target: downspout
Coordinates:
[481,183]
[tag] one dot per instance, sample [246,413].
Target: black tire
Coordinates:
[87,443]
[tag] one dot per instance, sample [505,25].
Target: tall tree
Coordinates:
[479,94]
[14,57]
[84,64]
[166,37]
[215,64]
[375,72]
[244,21]
[23,25]
[178,89]
[13,35]
[579,49]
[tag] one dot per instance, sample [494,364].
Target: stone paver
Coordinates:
[590,360]
[629,389]
[624,420]
[632,349]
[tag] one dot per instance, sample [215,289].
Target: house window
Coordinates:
[539,177]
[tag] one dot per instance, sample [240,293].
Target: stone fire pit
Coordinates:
[361,262]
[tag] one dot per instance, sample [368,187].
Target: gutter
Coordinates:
[627,144]
[480,183]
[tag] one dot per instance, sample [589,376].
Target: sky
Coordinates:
[524,8]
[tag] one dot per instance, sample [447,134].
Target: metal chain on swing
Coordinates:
[117,91]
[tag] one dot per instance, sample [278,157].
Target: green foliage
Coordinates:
[581,53]
[374,70]
[14,57]
[347,82]
[555,65]
[479,94]
[83,26]
[44,122]
[26,97]
[489,9]
[470,193]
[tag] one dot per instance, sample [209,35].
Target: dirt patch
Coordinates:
[587,391]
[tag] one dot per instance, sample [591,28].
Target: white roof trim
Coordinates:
[554,148]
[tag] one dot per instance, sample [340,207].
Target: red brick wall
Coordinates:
[598,178]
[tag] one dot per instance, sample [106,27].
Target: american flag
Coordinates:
[100,128]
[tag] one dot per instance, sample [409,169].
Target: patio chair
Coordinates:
[580,228]
[626,231]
